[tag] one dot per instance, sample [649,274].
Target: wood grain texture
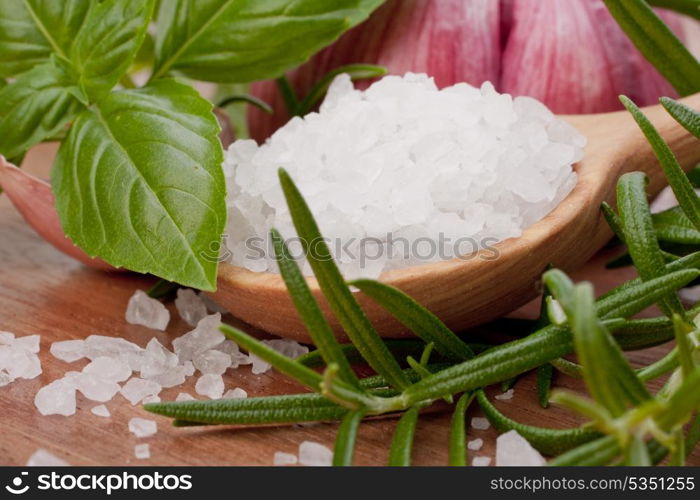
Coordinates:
[42,291]
[465,292]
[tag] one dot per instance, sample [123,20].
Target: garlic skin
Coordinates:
[35,202]
[571,55]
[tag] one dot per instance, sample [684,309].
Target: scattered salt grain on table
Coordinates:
[513,450]
[146,311]
[403,161]
[157,359]
[93,387]
[101,411]
[150,399]
[280,458]
[480,423]
[142,427]
[18,358]
[314,454]
[506,396]
[236,393]
[56,398]
[289,348]
[114,347]
[210,385]
[190,306]
[106,368]
[44,458]
[142,451]
[237,357]
[475,444]
[136,389]
[481,461]
[68,350]
[183,396]
[206,335]
[212,361]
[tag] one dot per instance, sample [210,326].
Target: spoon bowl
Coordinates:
[475,289]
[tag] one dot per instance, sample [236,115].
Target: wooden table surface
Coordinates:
[42,291]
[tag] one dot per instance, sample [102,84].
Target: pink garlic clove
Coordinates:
[35,202]
[573,57]
[451,40]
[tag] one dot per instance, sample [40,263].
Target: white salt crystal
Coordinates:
[136,389]
[475,444]
[142,427]
[93,387]
[44,458]
[236,393]
[142,451]
[190,306]
[29,342]
[101,411]
[289,348]
[114,347]
[371,166]
[106,368]
[210,385]
[513,450]
[6,338]
[157,359]
[481,461]
[280,458]
[205,336]
[480,423]
[18,362]
[508,395]
[314,454]
[212,361]
[183,396]
[68,350]
[151,399]
[56,398]
[237,357]
[146,311]
[173,377]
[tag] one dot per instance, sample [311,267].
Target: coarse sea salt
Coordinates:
[475,444]
[101,411]
[505,396]
[44,458]
[480,423]
[136,389]
[142,427]
[142,451]
[514,450]
[68,350]
[481,461]
[146,311]
[399,171]
[290,348]
[314,454]
[18,358]
[280,458]
[236,393]
[210,385]
[190,306]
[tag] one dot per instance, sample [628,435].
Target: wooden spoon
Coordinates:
[465,293]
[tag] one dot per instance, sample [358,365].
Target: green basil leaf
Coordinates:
[32,30]
[657,43]
[138,182]
[244,40]
[34,107]
[106,45]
